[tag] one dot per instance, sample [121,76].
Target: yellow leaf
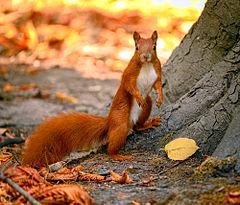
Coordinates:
[181,148]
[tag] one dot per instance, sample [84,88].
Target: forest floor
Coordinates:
[29,95]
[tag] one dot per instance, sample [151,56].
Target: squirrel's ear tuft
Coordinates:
[154,36]
[136,36]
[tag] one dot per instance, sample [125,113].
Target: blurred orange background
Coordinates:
[94,37]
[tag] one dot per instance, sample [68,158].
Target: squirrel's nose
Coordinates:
[146,57]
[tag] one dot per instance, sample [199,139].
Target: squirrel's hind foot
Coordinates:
[155,121]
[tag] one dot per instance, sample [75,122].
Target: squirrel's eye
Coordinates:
[137,47]
[154,47]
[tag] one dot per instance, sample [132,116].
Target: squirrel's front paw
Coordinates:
[141,102]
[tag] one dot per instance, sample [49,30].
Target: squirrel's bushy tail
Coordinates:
[59,136]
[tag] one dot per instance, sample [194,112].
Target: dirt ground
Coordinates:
[156,179]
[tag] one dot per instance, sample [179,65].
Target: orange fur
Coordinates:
[59,136]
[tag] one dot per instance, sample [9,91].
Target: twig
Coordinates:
[164,171]
[15,157]
[8,141]
[160,173]
[15,186]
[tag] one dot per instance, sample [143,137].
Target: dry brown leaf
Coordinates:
[63,174]
[5,158]
[12,149]
[67,170]
[61,194]
[6,132]
[9,88]
[44,93]
[234,193]
[114,175]
[135,202]
[4,70]
[62,177]
[3,193]
[30,35]
[122,195]
[43,171]
[92,177]
[73,174]
[26,177]
[64,96]
[233,197]
[147,180]
[32,70]
[30,180]
[3,130]
[27,87]
[124,179]
[9,135]
[77,168]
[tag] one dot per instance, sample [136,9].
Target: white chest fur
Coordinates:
[145,81]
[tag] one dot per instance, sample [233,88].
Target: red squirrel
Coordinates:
[131,108]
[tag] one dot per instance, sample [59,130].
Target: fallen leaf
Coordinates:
[5,158]
[124,179]
[27,87]
[181,148]
[135,202]
[3,130]
[44,93]
[32,70]
[72,174]
[31,181]
[9,135]
[11,149]
[83,176]
[67,170]
[61,194]
[3,70]
[234,193]
[61,177]
[147,180]
[9,88]
[64,96]
[122,195]
[26,177]
[63,174]
[6,132]
[233,197]
[31,35]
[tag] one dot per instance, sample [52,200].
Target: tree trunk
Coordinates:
[214,38]
[202,85]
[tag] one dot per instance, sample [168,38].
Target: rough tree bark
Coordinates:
[202,85]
